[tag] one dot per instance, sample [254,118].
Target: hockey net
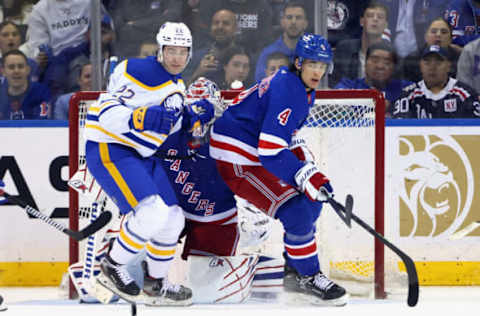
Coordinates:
[347,141]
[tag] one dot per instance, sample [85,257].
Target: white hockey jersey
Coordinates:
[59,24]
[134,83]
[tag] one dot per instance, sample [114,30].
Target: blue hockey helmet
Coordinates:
[314,47]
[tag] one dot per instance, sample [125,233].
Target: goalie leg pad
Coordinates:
[221,279]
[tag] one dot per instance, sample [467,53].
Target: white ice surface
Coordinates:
[434,301]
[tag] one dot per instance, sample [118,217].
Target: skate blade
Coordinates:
[301,298]
[104,282]
[163,301]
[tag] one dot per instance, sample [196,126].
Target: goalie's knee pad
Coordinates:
[176,222]
[299,215]
[151,216]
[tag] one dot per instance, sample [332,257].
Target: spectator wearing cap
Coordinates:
[379,69]
[439,32]
[438,95]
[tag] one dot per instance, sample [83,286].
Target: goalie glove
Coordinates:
[154,118]
[313,183]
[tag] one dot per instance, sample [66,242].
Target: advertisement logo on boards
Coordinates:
[438,174]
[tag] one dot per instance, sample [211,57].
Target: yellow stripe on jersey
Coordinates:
[117,177]
[97,109]
[141,84]
[129,241]
[159,252]
[156,139]
[111,135]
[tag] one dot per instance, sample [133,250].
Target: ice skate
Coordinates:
[160,292]
[118,280]
[3,307]
[316,289]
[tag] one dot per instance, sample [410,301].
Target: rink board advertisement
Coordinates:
[432,178]
[34,167]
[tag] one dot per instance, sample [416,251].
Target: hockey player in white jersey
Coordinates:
[127,125]
[261,161]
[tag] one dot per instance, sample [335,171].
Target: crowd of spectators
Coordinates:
[394,46]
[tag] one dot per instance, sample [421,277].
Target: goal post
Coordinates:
[346,132]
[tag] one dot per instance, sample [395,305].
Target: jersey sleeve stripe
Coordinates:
[140,141]
[120,140]
[272,141]
[232,148]
[158,138]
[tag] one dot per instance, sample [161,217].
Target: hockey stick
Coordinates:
[93,227]
[465,231]
[409,264]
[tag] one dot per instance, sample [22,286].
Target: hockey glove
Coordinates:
[155,118]
[313,183]
[198,113]
[299,148]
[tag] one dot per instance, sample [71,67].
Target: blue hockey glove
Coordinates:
[199,113]
[155,118]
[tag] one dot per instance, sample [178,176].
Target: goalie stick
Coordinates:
[345,212]
[93,227]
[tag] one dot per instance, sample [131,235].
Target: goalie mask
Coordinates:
[174,34]
[203,88]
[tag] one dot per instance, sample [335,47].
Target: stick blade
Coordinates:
[413,292]
[348,210]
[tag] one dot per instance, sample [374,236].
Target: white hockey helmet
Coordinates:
[174,34]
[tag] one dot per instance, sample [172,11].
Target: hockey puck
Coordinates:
[133,308]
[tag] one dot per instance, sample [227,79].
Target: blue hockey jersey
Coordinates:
[34,104]
[464,17]
[200,190]
[257,128]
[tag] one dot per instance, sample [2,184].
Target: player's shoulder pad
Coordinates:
[146,72]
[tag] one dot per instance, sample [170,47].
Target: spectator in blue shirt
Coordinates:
[379,69]
[19,97]
[464,17]
[293,23]
[84,81]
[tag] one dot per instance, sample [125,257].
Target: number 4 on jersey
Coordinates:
[283,116]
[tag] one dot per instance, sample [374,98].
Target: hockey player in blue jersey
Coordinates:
[144,103]
[263,161]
